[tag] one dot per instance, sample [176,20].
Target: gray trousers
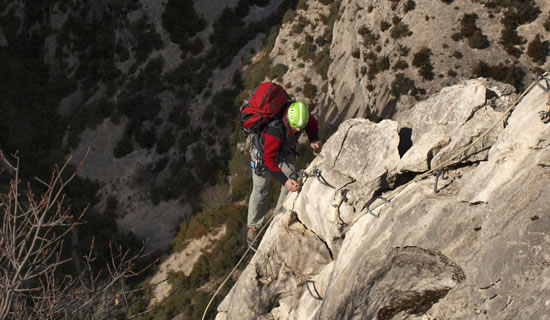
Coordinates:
[257,204]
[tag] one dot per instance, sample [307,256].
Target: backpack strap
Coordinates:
[268,93]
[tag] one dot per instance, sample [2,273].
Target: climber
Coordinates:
[279,159]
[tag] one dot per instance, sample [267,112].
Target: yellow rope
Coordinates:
[391,196]
[236,266]
[427,173]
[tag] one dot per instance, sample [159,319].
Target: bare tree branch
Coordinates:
[32,235]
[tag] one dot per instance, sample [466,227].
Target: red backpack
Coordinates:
[265,103]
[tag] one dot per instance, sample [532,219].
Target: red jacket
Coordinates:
[279,138]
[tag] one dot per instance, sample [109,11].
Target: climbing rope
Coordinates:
[303,177]
[317,173]
[544,114]
[445,163]
[236,266]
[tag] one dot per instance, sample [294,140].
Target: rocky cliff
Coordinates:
[385,56]
[472,243]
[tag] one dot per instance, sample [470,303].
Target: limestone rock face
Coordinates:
[377,69]
[479,248]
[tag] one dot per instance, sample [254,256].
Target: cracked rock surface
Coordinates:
[479,248]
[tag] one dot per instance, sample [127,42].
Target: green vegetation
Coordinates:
[384,25]
[410,5]
[212,265]
[278,71]
[376,64]
[516,13]
[309,90]
[307,50]
[400,65]
[400,30]
[421,60]
[537,50]
[182,22]
[469,30]
[369,37]
[289,16]
[401,85]
[505,73]
[146,37]
[231,33]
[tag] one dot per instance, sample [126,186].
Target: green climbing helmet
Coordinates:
[298,115]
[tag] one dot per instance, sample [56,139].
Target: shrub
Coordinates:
[401,85]
[409,6]
[402,50]
[546,23]
[421,60]
[376,65]
[356,53]
[259,3]
[166,140]
[309,90]
[468,25]
[400,65]
[369,38]
[146,138]
[509,39]
[298,28]
[289,16]
[422,57]
[400,30]
[302,5]
[306,50]
[278,71]
[447,1]
[124,145]
[452,73]
[384,25]
[510,74]
[458,54]
[537,50]
[242,9]
[257,73]
[478,40]
[196,46]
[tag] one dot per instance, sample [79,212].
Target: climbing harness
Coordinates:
[544,114]
[315,296]
[448,161]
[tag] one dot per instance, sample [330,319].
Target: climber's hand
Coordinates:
[316,145]
[292,185]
